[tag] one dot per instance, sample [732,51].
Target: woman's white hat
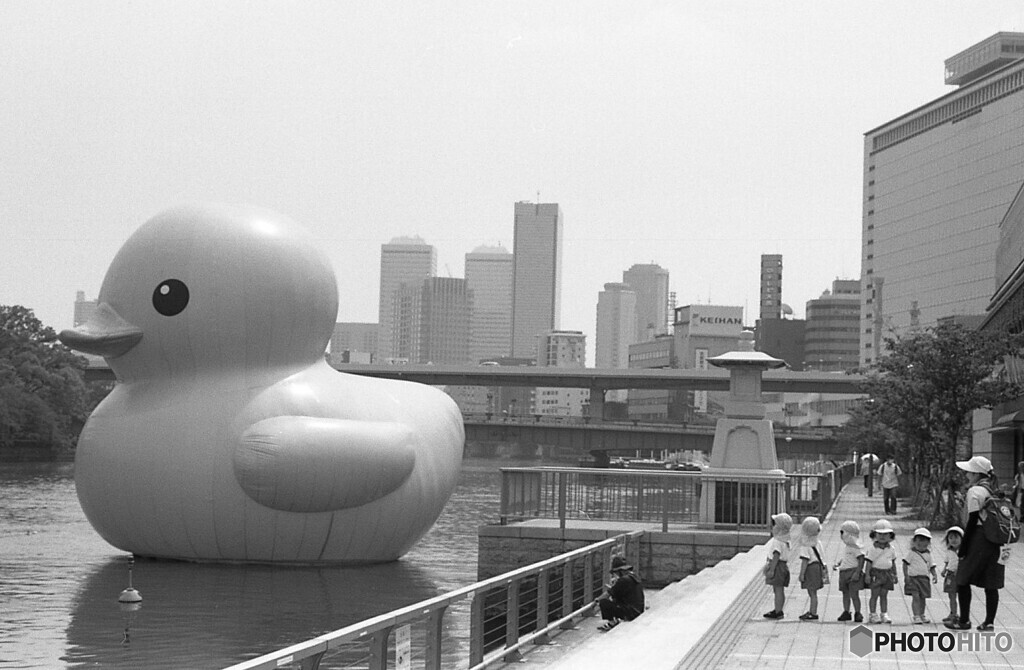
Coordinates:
[978,464]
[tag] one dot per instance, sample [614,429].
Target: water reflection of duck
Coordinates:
[228,437]
[215,615]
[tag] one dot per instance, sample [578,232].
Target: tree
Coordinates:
[925,389]
[43,397]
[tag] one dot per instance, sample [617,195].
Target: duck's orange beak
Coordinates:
[105,334]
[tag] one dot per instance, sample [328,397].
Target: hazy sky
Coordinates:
[693,135]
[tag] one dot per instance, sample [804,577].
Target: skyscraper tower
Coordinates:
[616,325]
[489,279]
[537,274]
[650,283]
[404,263]
[771,286]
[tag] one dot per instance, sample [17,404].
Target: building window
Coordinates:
[870,198]
[871,241]
[871,183]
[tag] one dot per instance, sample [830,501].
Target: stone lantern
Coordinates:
[743,485]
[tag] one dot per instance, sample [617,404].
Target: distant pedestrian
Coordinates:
[812,568]
[918,567]
[880,570]
[624,598]
[979,558]
[867,465]
[890,474]
[851,570]
[776,567]
[1018,487]
[953,538]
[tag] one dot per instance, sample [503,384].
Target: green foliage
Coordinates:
[922,394]
[42,394]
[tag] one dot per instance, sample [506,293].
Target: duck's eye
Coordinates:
[170,297]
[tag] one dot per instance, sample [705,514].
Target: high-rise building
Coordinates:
[656,404]
[771,286]
[354,342]
[616,330]
[404,263]
[937,182]
[650,283]
[831,341]
[84,309]
[616,325]
[537,274]
[563,349]
[782,338]
[489,279]
[444,321]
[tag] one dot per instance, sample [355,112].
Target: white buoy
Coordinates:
[130,595]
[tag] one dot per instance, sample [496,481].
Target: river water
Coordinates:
[59,583]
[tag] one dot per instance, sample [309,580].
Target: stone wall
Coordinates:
[664,557]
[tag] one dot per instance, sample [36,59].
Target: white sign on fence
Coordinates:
[403,648]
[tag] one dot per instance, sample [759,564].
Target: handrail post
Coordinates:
[664,506]
[588,579]
[563,487]
[543,604]
[476,630]
[433,638]
[567,594]
[512,621]
[504,512]
[379,649]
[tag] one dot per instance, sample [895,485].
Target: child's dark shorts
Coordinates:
[851,579]
[920,585]
[812,577]
[881,580]
[949,582]
[780,577]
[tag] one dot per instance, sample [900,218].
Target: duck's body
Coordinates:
[228,438]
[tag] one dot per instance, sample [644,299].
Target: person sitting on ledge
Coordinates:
[623,599]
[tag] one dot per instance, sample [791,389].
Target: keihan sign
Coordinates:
[711,320]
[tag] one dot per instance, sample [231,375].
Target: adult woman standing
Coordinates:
[979,558]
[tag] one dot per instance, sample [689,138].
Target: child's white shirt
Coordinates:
[918,563]
[808,552]
[850,557]
[880,558]
[781,546]
[952,560]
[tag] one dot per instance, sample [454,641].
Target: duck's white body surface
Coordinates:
[227,436]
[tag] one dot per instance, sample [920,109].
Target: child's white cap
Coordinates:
[955,529]
[810,526]
[923,532]
[850,527]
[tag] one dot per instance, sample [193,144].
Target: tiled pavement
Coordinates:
[791,643]
[741,638]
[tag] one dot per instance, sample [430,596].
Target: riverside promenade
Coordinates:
[713,619]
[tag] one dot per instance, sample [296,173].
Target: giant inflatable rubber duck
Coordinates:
[227,436]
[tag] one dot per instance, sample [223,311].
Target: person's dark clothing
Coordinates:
[889,500]
[625,599]
[979,566]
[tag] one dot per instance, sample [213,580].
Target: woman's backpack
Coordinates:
[1002,518]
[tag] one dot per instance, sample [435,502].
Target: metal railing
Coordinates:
[578,494]
[599,493]
[506,613]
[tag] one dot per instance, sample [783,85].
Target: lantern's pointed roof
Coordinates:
[746,359]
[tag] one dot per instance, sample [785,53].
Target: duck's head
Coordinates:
[210,287]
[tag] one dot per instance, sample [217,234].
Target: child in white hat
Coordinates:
[851,570]
[917,567]
[880,570]
[812,570]
[776,568]
[954,536]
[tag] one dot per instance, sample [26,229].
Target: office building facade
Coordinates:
[489,280]
[354,342]
[616,325]
[650,283]
[702,332]
[561,349]
[537,274]
[771,286]
[831,338]
[937,182]
[404,263]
